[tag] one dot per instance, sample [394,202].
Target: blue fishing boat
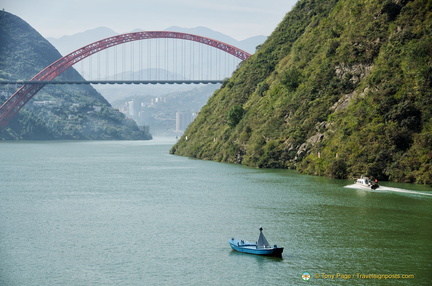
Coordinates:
[262,247]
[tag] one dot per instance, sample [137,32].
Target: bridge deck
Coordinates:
[114,82]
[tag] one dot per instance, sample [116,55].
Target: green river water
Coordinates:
[129,213]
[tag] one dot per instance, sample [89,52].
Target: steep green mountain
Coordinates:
[57,111]
[341,88]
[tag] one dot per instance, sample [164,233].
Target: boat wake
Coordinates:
[382,189]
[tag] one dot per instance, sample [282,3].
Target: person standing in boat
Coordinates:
[375,184]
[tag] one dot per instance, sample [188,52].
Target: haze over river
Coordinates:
[129,213]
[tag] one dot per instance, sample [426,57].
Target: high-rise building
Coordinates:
[183,119]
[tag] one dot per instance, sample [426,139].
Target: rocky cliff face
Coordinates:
[56,112]
[340,89]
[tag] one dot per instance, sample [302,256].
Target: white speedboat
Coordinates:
[365,182]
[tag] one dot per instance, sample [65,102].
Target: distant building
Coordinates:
[97,108]
[123,109]
[45,102]
[133,108]
[183,119]
[145,129]
[157,100]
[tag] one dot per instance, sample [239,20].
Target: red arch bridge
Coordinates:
[196,53]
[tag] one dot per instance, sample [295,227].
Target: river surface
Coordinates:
[129,213]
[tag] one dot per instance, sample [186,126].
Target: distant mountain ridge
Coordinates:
[69,43]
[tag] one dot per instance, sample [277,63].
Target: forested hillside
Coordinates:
[57,111]
[341,88]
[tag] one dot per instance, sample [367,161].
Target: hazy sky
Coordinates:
[239,19]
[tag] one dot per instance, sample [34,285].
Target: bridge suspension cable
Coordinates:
[17,101]
[160,59]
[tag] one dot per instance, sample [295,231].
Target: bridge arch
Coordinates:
[17,101]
